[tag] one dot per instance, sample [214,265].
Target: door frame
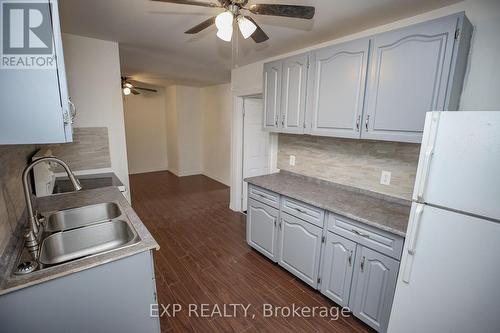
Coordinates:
[236,196]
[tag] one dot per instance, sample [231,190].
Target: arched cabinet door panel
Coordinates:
[272,94]
[337,268]
[293,94]
[337,89]
[299,248]
[373,287]
[262,221]
[408,76]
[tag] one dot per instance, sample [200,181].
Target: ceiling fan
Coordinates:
[128,87]
[248,27]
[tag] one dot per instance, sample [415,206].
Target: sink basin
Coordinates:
[81,216]
[93,239]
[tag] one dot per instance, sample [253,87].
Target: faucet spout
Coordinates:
[33,232]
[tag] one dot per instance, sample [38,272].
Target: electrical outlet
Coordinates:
[292,160]
[385,178]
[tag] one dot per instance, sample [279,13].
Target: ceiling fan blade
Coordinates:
[191,2]
[134,91]
[259,35]
[202,26]
[304,12]
[146,89]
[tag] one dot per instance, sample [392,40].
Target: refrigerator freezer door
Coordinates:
[459,166]
[454,281]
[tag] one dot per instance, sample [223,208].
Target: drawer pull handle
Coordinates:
[262,195]
[301,211]
[360,233]
[350,258]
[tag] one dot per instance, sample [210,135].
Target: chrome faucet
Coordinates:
[32,235]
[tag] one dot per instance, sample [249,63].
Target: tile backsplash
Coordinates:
[357,163]
[13,159]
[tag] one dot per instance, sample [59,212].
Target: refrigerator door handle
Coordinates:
[428,150]
[412,241]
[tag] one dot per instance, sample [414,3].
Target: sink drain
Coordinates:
[26,267]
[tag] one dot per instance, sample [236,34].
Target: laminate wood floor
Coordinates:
[204,259]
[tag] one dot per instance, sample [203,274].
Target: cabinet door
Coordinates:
[272,94]
[337,268]
[409,71]
[34,99]
[300,246]
[337,85]
[262,228]
[293,94]
[373,287]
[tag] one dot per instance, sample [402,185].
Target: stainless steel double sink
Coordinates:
[84,231]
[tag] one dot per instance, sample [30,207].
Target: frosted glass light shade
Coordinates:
[225,34]
[126,91]
[246,26]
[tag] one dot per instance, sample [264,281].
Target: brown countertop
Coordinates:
[10,282]
[378,210]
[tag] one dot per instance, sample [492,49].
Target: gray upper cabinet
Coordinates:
[337,268]
[261,230]
[377,87]
[337,89]
[373,287]
[293,94]
[35,105]
[272,94]
[409,75]
[300,246]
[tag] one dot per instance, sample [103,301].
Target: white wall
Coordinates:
[189,127]
[93,71]
[171,128]
[146,131]
[216,136]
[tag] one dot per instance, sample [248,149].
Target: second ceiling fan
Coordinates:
[247,25]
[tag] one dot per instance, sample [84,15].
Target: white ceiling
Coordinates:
[154,48]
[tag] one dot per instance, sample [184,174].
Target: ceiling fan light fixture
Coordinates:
[127,91]
[225,34]
[247,27]
[224,24]
[224,20]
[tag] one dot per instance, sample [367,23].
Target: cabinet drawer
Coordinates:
[302,210]
[270,198]
[376,239]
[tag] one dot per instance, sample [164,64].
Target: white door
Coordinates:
[459,162]
[454,267]
[255,144]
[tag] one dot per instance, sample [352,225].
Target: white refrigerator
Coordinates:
[449,278]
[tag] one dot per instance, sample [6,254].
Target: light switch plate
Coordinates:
[385,178]
[292,160]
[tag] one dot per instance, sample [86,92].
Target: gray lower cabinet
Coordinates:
[299,248]
[113,297]
[337,268]
[373,287]
[261,227]
[353,264]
